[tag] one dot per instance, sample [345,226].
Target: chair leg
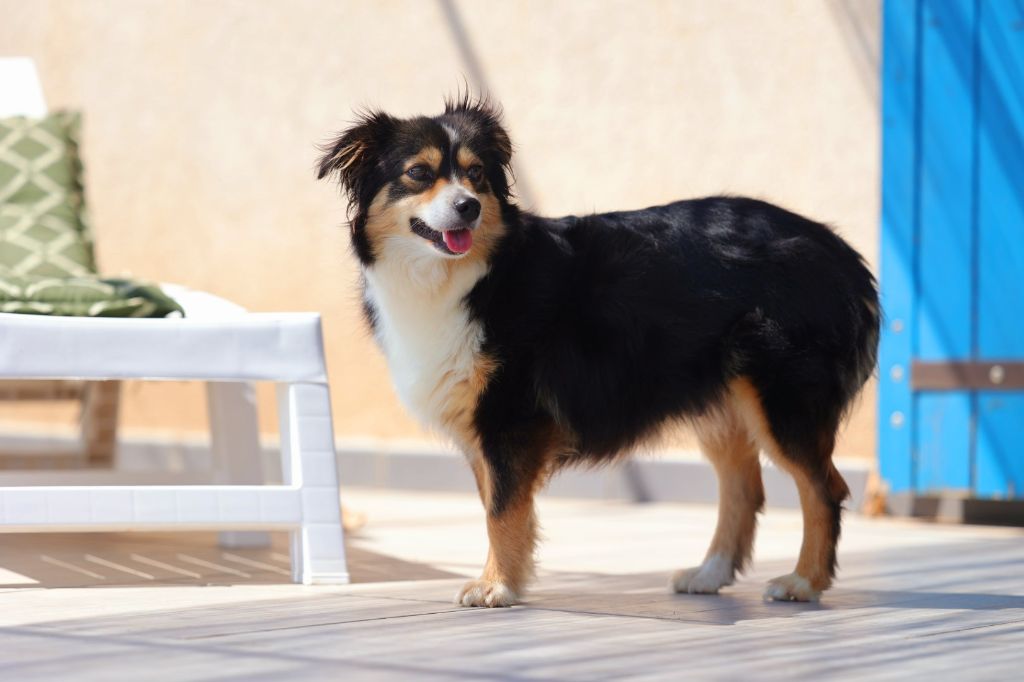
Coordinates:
[308,460]
[100,403]
[235,444]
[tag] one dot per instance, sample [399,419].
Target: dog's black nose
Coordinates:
[468,208]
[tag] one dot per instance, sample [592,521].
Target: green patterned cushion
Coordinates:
[83,297]
[43,230]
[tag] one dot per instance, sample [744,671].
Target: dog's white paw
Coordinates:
[485,593]
[714,574]
[791,587]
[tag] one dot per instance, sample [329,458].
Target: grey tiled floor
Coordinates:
[913,601]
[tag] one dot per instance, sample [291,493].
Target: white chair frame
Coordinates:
[229,354]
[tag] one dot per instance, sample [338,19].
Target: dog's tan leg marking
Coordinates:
[725,441]
[812,574]
[512,535]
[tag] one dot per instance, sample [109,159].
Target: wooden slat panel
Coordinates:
[999,453]
[999,469]
[945,236]
[1001,181]
[899,173]
[946,152]
[943,435]
[47,389]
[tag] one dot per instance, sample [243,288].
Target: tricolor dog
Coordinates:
[537,343]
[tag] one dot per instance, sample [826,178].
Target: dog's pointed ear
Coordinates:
[351,155]
[502,142]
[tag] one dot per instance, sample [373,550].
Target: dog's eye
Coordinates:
[475,173]
[420,173]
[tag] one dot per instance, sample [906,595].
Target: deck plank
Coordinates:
[913,600]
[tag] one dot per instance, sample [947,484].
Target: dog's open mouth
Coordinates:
[452,242]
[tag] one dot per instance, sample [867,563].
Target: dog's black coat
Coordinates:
[614,323]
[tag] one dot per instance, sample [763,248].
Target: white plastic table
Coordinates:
[221,344]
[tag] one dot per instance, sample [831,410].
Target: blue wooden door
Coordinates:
[951,394]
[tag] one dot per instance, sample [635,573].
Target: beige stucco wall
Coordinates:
[202,119]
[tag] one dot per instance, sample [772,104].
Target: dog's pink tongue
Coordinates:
[458,241]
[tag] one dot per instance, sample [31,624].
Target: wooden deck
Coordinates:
[913,601]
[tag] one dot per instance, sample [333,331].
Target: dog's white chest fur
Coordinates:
[431,344]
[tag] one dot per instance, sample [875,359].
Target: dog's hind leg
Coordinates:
[806,454]
[821,496]
[725,441]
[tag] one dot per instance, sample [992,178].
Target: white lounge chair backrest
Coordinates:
[21,93]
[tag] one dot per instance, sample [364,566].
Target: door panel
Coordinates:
[953,246]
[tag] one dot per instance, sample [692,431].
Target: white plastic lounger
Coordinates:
[216,342]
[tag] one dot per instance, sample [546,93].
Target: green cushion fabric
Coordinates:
[83,296]
[47,264]
[43,230]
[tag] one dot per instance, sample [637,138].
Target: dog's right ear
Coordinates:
[353,153]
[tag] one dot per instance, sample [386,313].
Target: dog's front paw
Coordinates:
[485,593]
[791,587]
[714,574]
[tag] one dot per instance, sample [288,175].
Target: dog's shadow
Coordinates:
[647,596]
